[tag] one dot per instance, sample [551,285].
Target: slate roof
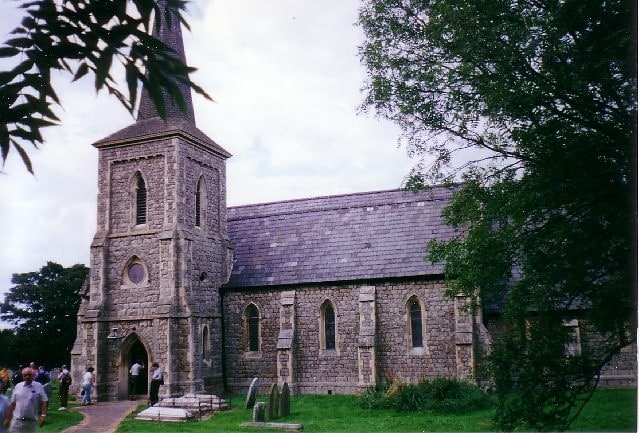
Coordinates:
[338,238]
[155,128]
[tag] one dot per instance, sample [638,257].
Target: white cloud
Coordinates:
[285,76]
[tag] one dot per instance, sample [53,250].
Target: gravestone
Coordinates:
[274,398]
[252,394]
[285,401]
[258,412]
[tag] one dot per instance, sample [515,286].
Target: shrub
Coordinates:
[448,396]
[454,396]
[410,398]
[375,397]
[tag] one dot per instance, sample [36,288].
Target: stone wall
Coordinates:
[373,339]
[622,371]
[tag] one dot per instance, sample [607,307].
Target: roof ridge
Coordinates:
[313,204]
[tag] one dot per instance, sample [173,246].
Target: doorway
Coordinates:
[137,352]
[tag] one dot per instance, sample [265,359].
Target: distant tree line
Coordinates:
[41,309]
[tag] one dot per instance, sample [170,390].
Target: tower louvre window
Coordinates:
[198,207]
[201,203]
[141,201]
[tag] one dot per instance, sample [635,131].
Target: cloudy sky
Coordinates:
[286,80]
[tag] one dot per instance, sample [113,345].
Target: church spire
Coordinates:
[171,35]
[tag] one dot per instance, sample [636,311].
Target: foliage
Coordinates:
[533,106]
[440,395]
[374,397]
[454,396]
[42,306]
[80,37]
[8,342]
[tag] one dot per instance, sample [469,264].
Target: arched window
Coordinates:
[415,318]
[200,202]
[328,326]
[206,343]
[252,320]
[141,200]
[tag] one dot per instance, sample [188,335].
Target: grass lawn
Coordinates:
[610,410]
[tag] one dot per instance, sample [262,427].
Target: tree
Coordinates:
[43,306]
[7,342]
[531,106]
[80,37]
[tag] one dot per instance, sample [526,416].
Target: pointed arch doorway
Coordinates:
[133,349]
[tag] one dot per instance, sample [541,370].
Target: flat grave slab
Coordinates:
[169,414]
[280,425]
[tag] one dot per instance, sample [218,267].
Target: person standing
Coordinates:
[156,381]
[135,370]
[87,383]
[43,377]
[28,406]
[4,407]
[5,380]
[17,375]
[65,382]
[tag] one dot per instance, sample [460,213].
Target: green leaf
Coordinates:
[103,67]
[131,74]
[81,71]
[4,141]
[8,51]
[19,42]
[24,156]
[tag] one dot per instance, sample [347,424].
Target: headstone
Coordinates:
[285,401]
[252,394]
[274,398]
[258,412]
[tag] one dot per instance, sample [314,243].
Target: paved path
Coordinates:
[103,417]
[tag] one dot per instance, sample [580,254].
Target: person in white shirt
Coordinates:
[135,370]
[156,381]
[28,407]
[87,383]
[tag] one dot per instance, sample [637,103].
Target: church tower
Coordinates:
[159,255]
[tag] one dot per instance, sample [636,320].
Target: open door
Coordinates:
[133,350]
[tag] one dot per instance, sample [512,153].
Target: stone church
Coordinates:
[328,294]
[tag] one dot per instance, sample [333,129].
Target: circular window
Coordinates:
[136,273]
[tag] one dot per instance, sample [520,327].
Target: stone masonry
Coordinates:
[372,331]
